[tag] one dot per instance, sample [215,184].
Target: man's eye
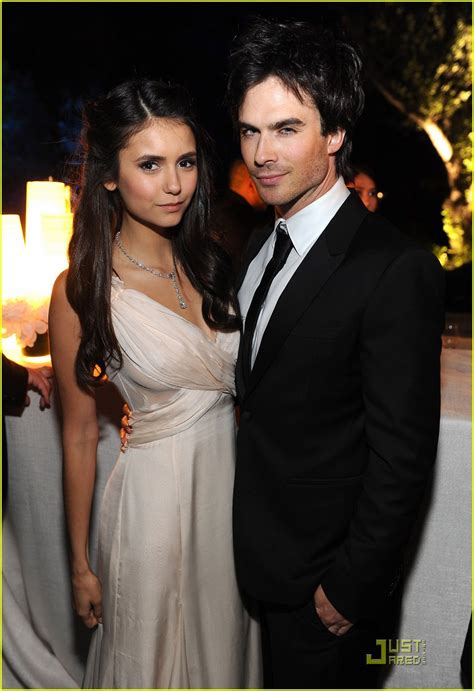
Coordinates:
[287,130]
[246,132]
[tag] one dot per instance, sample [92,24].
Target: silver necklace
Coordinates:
[171,276]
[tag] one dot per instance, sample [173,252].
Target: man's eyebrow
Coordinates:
[246,125]
[287,122]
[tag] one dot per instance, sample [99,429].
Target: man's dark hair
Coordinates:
[306,59]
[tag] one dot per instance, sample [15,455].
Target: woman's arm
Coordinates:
[80,436]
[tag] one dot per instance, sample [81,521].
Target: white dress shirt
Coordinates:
[304,228]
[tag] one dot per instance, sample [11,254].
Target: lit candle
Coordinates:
[13,257]
[29,270]
[56,231]
[43,197]
[48,231]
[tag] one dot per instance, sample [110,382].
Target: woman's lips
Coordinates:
[176,206]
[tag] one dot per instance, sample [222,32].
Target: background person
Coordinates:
[238,212]
[362,180]
[242,184]
[16,381]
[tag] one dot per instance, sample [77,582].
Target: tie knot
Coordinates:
[283,244]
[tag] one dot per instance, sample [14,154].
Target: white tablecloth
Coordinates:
[437,597]
[45,645]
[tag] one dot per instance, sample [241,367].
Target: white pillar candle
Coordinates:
[13,257]
[43,197]
[56,231]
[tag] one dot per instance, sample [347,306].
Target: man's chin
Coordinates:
[272,196]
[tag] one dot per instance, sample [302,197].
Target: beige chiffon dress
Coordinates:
[172,613]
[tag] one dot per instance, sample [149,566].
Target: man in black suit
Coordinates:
[338,372]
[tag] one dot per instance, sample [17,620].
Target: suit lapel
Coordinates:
[308,280]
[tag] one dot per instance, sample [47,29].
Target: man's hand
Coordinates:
[40,379]
[330,617]
[125,427]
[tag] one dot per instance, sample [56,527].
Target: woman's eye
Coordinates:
[187,163]
[148,166]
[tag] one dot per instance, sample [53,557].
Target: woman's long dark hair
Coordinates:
[108,125]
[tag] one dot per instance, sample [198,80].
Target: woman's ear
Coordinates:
[110,185]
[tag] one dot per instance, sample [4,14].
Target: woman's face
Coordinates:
[158,173]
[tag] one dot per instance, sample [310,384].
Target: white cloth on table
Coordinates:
[437,596]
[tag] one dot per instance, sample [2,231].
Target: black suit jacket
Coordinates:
[339,421]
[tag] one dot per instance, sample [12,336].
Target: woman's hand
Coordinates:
[87,596]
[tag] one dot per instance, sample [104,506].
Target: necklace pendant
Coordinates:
[171,275]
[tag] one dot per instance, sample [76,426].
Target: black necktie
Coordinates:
[283,246]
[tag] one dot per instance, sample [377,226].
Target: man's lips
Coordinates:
[270,179]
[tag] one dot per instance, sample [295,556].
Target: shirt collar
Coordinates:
[306,225]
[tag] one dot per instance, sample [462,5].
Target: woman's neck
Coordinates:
[152,247]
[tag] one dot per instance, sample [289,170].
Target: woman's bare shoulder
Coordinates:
[60,307]
[59,287]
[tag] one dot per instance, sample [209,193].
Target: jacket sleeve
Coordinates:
[14,382]
[400,347]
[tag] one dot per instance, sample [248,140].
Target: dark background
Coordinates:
[57,54]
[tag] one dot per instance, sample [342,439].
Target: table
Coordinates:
[45,645]
[437,597]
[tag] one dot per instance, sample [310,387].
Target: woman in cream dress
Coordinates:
[148,298]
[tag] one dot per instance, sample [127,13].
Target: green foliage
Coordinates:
[420,56]
[420,52]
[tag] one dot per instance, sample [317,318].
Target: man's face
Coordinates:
[291,162]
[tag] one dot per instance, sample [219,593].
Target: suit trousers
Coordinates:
[299,652]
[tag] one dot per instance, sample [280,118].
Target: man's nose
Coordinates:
[265,151]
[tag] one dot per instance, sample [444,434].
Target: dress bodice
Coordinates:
[172,372]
